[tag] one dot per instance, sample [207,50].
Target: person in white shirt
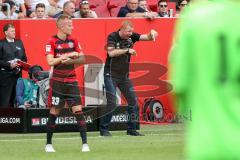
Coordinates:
[40,11]
[20,7]
[60,3]
[84,11]
[143,4]
[13,14]
[68,9]
[51,6]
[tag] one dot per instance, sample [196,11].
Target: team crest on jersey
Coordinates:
[48,48]
[70,44]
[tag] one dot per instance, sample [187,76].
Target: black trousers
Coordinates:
[8,92]
[127,90]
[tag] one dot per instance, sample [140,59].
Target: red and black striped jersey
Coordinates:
[58,47]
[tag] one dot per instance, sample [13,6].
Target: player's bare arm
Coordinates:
[54,61]
[74,58]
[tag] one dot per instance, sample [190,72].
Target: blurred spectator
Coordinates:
[84,11]
[143,4]
[20,7]
[60,3]
[13,14]
[10,50]
[68,9]
[132,9]
[163,8]
[180,6]
[51,6]
[40,11]
[31,4]
[27,89]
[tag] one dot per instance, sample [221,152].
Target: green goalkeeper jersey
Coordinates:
[206,77]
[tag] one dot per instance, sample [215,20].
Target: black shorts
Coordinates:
[61,93]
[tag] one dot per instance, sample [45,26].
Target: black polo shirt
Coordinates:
[119,66]
[125,10]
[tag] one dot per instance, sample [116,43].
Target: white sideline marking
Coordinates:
[40,139]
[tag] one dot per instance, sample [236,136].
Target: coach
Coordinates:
[116,72]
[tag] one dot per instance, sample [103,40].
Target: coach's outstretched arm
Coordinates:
[151,36]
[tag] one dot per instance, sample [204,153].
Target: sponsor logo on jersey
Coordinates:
[48,48]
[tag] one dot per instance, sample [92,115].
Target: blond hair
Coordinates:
[61,18]
[126,24]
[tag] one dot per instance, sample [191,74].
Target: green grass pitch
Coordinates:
[161,142]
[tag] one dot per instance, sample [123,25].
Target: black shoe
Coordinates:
[106,134]
[134,133]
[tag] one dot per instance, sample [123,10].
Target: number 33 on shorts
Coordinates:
[55,101]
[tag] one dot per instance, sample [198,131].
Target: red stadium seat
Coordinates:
[114,6]
[102,11]
[77,3]
[111,6]
[97,3]
[152,5]
[100,7]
